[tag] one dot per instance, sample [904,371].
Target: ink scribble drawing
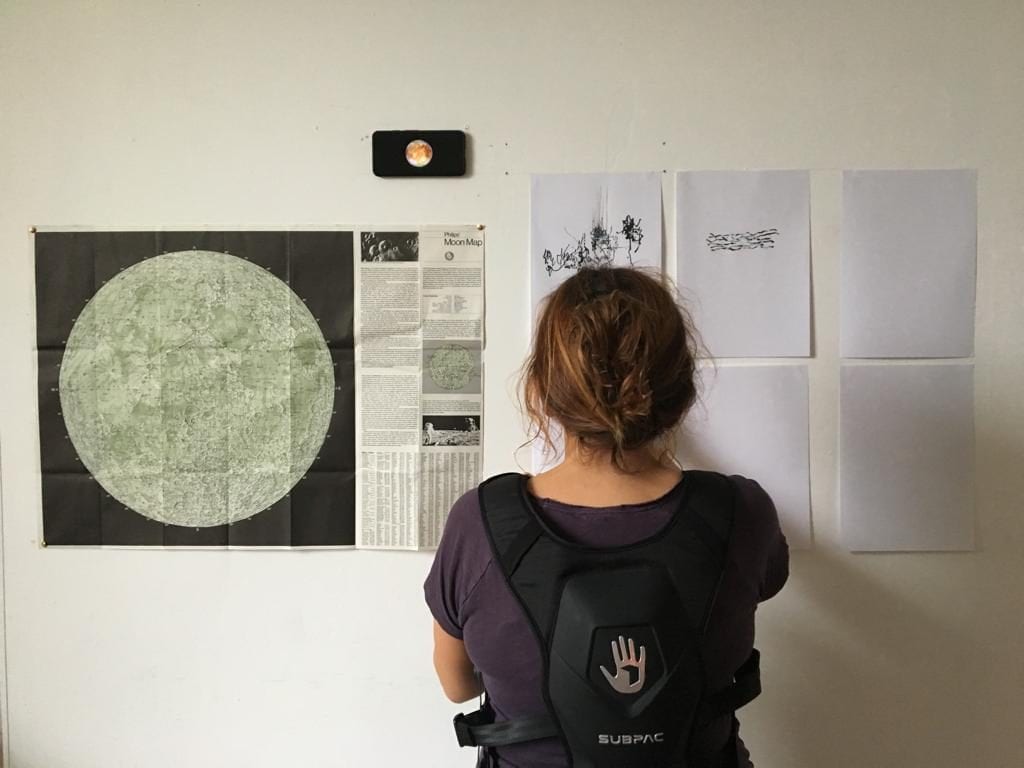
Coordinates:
[738,241]
[598,246]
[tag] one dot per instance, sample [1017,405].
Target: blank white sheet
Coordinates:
[908,245]
[906,457]
[743,250]
[754,422]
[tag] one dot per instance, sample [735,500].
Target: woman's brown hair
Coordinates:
[613,361]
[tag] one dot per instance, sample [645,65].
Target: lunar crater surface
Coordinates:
[197,388]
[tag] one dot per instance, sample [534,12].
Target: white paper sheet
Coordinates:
[907,272]
[584,218]
[588,218]
[753,422]
[544,456]
[743,249]
[906,456]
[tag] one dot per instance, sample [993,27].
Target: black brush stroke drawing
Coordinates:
[738,241]
[597,247]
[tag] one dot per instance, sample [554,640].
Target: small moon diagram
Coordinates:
[451,366]
[197,388]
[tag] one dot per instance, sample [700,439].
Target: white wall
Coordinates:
[258,113]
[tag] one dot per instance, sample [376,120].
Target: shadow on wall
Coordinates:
[868,675]
[902,660]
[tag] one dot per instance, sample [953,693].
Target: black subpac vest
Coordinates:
[620,631]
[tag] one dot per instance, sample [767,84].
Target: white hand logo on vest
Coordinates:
[624,655]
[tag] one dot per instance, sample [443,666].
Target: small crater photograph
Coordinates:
[389,246]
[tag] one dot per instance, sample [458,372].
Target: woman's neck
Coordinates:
[592,478]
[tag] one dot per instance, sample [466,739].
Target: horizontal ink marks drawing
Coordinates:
[597,247]
[738,241]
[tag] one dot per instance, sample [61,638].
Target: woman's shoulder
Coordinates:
[750,495]
[465,516]
[751,498]
[753,509]
[463,556]
[757,539]
[464,529]
[464,520]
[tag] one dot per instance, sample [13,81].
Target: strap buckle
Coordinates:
[478,729]
[464,725]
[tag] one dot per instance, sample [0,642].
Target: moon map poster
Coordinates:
[197,388]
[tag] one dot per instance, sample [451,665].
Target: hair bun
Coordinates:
[612,360]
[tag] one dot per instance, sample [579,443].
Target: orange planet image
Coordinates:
[418,153]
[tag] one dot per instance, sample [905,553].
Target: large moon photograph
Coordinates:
[197,388]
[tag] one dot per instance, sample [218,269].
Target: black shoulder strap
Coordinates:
[513,530]
[509,521]
[709,513]
[700,534]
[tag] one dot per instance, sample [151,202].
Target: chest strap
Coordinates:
[478,729]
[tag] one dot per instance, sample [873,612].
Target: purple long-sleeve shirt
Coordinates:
[470,599]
